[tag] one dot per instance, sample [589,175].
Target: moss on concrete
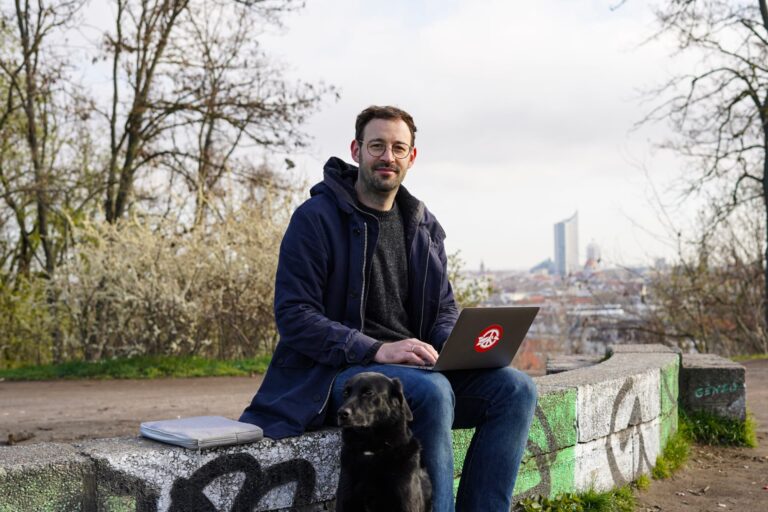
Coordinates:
[52,489]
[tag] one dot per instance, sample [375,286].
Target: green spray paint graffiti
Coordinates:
[717,389]
[668,408]
[548,464]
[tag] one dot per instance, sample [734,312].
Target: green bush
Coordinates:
[710,429]
[616,500]
[149,287]
[27,323]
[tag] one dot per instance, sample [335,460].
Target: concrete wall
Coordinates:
[599,427]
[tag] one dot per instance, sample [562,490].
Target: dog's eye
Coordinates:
[345,394]
[368,393]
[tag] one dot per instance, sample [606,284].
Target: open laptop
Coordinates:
[484,338]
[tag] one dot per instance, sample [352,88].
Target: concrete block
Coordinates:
[45,476]
[670,383]
[604,463]
[646,447]
[613,405]
[617,459]
[623,390]
[554,422]
[267,475]
[713,384]
[547,474]
[668,425]
[643,348]
[565,363]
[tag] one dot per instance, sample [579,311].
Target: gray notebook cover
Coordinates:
[201,432]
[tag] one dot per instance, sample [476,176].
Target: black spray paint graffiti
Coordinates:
[626,436]
[187,493]
[543,456]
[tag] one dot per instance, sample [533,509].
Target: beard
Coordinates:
[374,181]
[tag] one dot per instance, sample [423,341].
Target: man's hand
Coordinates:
[407,351]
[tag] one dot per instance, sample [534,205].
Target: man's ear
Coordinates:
[397,395]
[354,149]
[412,157]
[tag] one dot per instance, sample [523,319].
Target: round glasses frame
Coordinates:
[375,151]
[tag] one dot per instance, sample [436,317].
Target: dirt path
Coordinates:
[721,479]
[715,479]
[33,412]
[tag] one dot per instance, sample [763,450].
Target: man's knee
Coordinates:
[431,395]
[519,388]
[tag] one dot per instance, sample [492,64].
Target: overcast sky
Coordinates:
[524,112]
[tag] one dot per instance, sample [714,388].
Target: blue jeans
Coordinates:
[498,403]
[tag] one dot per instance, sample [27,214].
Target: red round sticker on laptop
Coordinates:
[488,338]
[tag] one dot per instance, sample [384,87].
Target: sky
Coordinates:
[525,111]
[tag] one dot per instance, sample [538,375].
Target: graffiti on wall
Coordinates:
[718,389]
[188,494]
[669,391]
[548,464]
[625,392]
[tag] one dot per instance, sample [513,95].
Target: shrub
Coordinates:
[706,428]
[27,323]
[144,288]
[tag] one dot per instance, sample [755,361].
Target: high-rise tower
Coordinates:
[567,245]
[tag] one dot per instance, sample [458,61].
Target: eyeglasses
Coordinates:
[376,148]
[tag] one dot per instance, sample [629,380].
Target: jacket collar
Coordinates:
[339,180]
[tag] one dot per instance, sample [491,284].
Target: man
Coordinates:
[362,282]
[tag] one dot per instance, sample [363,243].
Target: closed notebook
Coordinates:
[201,432]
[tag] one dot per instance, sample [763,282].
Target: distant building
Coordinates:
[593,256]
[547,266]
[567,245]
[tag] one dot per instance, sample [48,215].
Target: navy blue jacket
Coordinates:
[322,274]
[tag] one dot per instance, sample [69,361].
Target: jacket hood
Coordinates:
[339,182]
[339,179]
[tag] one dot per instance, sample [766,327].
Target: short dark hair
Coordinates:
[386,112]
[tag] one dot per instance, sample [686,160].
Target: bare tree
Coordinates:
[720,111]
[142,32]
[31,115]
[712,298]
[190,86]
[237,98]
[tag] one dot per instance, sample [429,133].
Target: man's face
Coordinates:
[382,174]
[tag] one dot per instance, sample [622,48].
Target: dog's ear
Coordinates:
[396,391]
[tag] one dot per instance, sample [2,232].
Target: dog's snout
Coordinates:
[343,414]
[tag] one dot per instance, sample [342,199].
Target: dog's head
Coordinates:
[373,399]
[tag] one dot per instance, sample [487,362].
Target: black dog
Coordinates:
[381,467]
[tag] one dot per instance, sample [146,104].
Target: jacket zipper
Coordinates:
[362,286]
[424,288]
[330,390]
